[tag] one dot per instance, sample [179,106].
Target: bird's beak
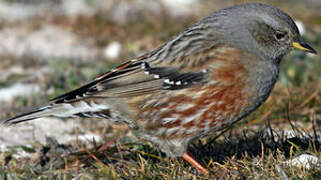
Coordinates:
[304,47]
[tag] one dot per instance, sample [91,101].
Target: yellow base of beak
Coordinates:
[303,47]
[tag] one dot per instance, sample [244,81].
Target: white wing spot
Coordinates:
[143,65]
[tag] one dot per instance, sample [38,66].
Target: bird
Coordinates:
[206,78]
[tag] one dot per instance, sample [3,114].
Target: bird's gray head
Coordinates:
[261,29]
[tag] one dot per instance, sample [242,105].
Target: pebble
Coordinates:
[113,50]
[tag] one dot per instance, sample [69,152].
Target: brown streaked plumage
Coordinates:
[206,78]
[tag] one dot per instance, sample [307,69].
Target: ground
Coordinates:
[46,52]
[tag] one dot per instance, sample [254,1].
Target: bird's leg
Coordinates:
[195,163]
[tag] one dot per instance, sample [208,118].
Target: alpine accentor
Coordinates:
[206,78]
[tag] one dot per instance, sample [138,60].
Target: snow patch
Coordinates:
[304,161]
[18,90]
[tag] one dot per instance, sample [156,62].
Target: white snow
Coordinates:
[18,90]
[304,161]
[45,42]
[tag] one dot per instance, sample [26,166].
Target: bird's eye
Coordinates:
[280,36]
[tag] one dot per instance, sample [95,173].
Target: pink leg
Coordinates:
[194,163]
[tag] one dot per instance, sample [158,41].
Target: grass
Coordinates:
[250,154]
[255,148]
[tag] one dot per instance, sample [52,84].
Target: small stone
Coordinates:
[113,50]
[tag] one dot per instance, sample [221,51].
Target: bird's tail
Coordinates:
[62,110]
[34,114]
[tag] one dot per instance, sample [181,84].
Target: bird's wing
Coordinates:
[133,78]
